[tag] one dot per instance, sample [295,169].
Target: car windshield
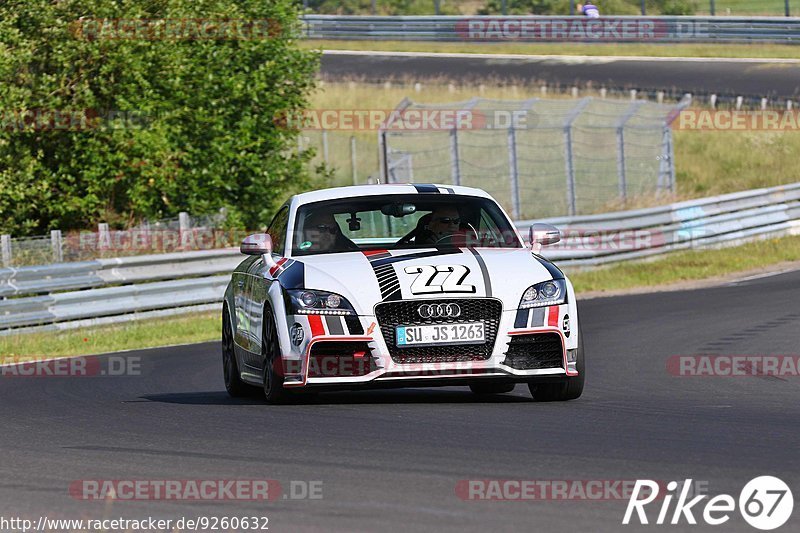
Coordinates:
[399,222]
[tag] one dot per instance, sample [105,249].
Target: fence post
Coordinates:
[788,11]
[666,168]
[325,146]
[455,169]
[571,204]
[513,172]
[55,243]
[623,178]
[353,159]
[644,9]
[5,246]
[569,156]
[671,153]
[711,7]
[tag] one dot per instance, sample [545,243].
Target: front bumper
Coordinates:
[367,362]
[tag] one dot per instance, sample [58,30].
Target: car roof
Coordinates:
[385,189]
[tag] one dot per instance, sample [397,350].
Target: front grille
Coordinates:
[340,359]
[391,314]
[532,352]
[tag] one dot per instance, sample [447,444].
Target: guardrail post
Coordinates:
[55,242]
[455,168]
[513,172]
[353,159]
[5,249]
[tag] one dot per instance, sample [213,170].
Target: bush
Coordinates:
[159,125]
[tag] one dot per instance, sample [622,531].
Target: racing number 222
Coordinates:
[430,280]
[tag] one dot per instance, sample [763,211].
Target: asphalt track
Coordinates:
[391,459]
[731,77]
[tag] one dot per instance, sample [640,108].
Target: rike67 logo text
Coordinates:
[765,503]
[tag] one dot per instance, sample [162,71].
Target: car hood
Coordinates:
[366,278]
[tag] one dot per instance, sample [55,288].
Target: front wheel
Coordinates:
[570,388]
[230,368]
[274,393]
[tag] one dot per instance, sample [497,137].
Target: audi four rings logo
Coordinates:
[439,310]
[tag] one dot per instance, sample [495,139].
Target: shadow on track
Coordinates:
[391,396]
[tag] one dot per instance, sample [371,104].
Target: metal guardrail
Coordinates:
[65,295]
[729,219]
[541,29]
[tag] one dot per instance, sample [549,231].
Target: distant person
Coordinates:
[589,10]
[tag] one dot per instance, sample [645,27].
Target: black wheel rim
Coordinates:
[267,340]
[227,360]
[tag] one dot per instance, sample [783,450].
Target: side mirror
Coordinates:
[257,244]
[543,234]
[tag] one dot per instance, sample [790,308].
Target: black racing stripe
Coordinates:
[387,281]
[487,282]
[521,320]
[554,271]
[420,255]
[449,190]
[334,325]
[293,277]
[426,188]
[354,326]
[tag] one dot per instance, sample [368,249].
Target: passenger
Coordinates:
[321,233]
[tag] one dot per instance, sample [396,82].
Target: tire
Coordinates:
[491,388]
[230,368]
[274,393]
[570,388]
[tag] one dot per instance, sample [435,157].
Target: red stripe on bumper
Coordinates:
[552,315]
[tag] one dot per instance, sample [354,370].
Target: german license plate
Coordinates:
[465,333]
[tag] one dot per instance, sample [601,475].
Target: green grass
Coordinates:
[673,268]
[689,265]
[190,328]
[779,51]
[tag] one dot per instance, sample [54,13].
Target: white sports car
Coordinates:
[397,286]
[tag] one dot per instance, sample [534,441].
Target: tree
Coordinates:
[119,110]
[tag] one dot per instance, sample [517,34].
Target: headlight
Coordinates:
[312,302]
[546,293]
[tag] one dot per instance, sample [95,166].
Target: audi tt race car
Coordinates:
[399,285]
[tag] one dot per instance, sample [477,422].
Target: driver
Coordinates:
[444,222]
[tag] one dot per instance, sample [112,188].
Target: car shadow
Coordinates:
[384,396]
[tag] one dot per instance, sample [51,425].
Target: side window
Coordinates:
[277,230]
